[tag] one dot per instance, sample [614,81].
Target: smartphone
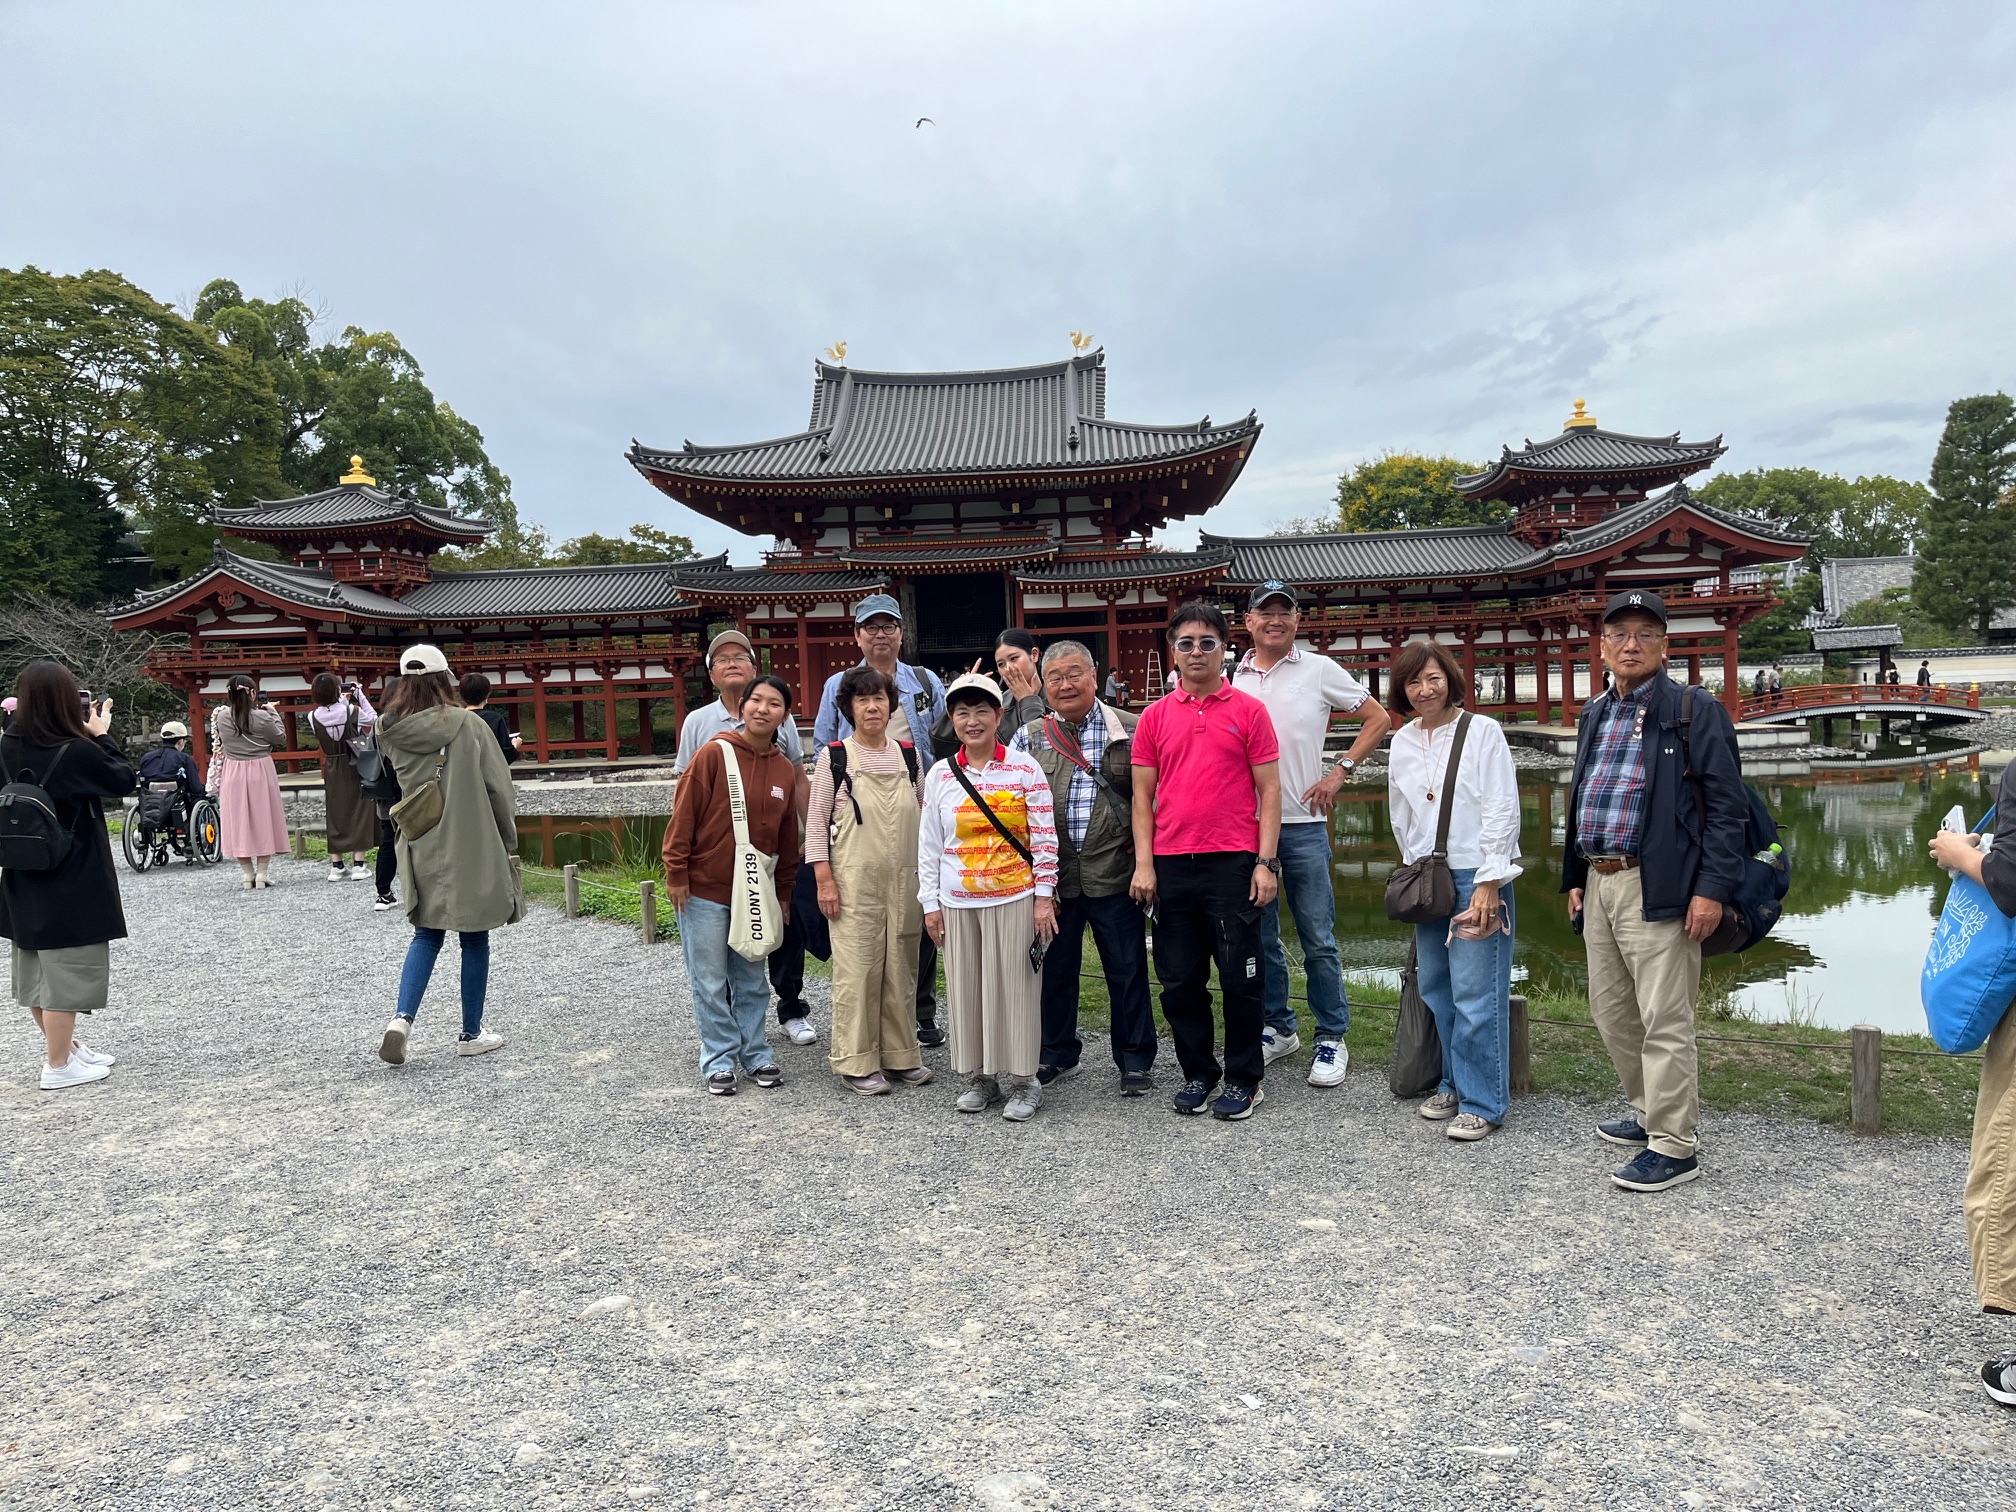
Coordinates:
[1036,948]
[84,695]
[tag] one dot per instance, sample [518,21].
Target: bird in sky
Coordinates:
[922,122]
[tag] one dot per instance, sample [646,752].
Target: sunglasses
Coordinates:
[1189,645]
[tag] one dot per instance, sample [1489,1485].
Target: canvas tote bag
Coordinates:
[1425,890]
[754,929]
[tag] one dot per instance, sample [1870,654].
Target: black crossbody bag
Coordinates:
[1036,946]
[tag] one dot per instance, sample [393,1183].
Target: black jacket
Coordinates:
[1680,857]
[78,903]
[166,764]
[501,728]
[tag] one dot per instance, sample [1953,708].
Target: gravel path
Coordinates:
[258,1267]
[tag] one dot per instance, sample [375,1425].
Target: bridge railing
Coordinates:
[1821,697]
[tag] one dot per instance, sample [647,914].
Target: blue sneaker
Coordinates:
[1653,1172]
[1191,1096]
[1622,1131]
[1236,1102]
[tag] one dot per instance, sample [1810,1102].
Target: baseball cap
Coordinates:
[174,730]
[1642,599]
[415,660]
[1272,588]
[729,638]
[877,603]
[975,682]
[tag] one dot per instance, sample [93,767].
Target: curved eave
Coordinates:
[418,524]
[191,593]
[721,598]
[1125,574]
[1505,474]
[1567,554]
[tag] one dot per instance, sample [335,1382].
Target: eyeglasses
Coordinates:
[1633,637]
[883,629]
[1190,645]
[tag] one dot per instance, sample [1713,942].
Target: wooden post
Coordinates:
[1522,1046]
[647,900]
[570,880]
[301,844]
[1865,1103]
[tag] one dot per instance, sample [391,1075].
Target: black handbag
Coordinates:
[1416,1067]
[1425,890]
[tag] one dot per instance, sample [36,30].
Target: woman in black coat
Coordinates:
[61,922]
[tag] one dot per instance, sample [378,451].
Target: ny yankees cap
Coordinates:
[1642,599]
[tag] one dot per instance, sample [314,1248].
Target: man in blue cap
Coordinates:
[920,704]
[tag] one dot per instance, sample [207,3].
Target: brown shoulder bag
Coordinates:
[1425,890]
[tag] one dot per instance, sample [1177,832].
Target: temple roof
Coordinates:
[1633,518]
[1142,567]
[559,592]
[348,506]
[307,588]
[1589,453]
[761,583]
[870,425]
[962,553]
[1857,637]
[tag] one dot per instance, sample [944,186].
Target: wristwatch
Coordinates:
[1272,863]
[1345,765]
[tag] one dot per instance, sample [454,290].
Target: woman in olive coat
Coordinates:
[462,874]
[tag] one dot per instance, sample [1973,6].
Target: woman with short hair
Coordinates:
[461,873]
[342,714]
[1464,961]
[730,992]
[252,824]
[62,921]
[861,842]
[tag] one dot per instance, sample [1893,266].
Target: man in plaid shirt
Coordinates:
[1654,850]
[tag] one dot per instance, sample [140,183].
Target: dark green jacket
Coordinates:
[1106,864]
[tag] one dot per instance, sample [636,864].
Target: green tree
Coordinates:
[1876,516]
[1406,491]
[116,411]
[1893,606]
[645,543]
[1967,565]
[1781,631]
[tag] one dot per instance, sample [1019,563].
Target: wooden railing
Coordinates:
[1825,696]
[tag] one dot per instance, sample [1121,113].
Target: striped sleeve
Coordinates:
[1042,827]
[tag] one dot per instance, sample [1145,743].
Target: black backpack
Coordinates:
[836,762]
[1767,868]
[32,838]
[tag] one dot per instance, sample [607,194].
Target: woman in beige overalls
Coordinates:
[861,838]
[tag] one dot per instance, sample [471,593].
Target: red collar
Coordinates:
[1185,695]
[1000,754]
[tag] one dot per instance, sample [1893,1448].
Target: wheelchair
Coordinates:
[159,828]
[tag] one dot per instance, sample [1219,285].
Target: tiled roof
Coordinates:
[307,588]
[1143,568]
[1626,522]
[767,582]
[1847,581]
[1858,638]
[1470,551]
[1593,453]
[557,592]
[971,551]
[894,425]
[348,505]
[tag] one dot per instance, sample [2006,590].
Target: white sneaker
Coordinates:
[359,872]
[1333,1059]
[1024,1098]
[1274,1044]
[800,1031]
[337,873]
[72,1073]
[483,1044]
[392,1047]
[90,1057]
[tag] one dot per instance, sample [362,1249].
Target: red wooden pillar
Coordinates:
[1732,693]
[643,723]
[804,689]
[539,743]
[1112,632]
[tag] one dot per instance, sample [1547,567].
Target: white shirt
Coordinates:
[709,720]
[1484,826]
[1300,691]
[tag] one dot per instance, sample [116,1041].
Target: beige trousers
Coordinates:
[997,1019]
[1643,979]
[875,938]
[1990,1203]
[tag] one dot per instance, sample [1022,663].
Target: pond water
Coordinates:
[1863,903]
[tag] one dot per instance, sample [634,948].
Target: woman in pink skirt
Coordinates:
[254,828]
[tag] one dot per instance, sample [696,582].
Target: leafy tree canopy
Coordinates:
[1865,517]
[1407,491]
[1967,563]
[645,543]
[1781,631]
[1893,606]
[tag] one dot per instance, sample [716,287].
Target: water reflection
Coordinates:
[1863,902]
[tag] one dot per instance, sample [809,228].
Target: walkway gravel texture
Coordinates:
[258,1267]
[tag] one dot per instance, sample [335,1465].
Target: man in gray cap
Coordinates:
[731,663]
[919,705]
[1653,850]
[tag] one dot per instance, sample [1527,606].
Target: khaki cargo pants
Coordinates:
[1643,980]
[1990,1202]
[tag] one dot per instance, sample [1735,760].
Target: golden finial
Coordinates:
[356,473]
[1581,419]
[1080,342]
[837,354]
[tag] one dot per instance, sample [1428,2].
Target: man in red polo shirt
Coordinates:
[1207,819]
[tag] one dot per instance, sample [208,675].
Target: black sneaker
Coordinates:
[721,1084]
[1192,1096]
[1622,1131]
[1653,1172]
[1136,1084]
[930,1036]
[386,902]
[767,1076]
[1998,1378]
[1045,1075]
[1237,1102]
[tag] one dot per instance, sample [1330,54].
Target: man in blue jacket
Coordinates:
[1654,849]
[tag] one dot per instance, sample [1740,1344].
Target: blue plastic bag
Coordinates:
[1970,966]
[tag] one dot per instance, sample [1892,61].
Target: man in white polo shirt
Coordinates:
[1302,689]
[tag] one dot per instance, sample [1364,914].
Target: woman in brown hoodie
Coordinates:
[730,992]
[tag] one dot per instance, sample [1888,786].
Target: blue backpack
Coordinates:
[1970,966]
[1759,900]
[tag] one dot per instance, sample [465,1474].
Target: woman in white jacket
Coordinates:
[1464,961]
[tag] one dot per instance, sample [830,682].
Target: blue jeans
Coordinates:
[1120,932]
[1305,888]
[420,958]
[730,994]
[1467,985]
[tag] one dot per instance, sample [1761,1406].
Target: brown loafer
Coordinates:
[871,1085]
[915,1076]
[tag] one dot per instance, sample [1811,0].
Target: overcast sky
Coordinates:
[1419,227]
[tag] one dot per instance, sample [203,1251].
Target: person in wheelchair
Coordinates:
[170,785]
